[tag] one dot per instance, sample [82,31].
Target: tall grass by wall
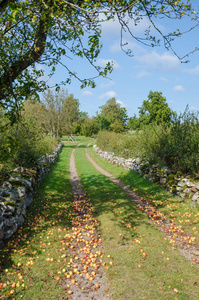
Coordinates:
[124,145]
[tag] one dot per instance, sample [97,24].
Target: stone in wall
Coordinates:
[16,194]
[183,187]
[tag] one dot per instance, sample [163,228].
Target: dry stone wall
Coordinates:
[16,193]
[177,184]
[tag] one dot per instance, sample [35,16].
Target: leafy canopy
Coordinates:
[36,32]
[112,116]
[153,110]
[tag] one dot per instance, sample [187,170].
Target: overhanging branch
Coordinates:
[27,59]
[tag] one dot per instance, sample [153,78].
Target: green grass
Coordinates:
[33,259]
[183,213]
[79,139]
[126,234]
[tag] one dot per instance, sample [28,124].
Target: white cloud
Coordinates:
[179,88]
[107,85]
[115,47]
[103,62]
[142,74]
[164,62]
[113,27]
[87,93]
[127,45]
[194,108]
[108,95]
[163,79]
[159,62]
[194,71]
[121,103]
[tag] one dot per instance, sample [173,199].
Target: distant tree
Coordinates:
[36,112]
[102,122]
[133,123]
[111,112]
[78,123]
[62,111]
[117,127]
[89,127]
[50,109]
[70,114]
[155,110]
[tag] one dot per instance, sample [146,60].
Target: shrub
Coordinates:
[23,144]
[121,144]
[176,146]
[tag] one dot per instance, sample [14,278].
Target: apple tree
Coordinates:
[36,32]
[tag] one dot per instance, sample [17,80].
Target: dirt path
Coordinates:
[171,231]
[86,278]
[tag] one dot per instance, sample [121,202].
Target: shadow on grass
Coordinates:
[51,206]
[107,198]
[152,192]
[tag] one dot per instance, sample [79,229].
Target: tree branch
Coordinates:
[100,11]
[27,59]
[4,3]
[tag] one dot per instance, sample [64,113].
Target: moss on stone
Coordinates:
[11,203]
[173,190]
[6,195]
[18,183]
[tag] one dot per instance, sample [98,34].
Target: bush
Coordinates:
[88,127]
[23,144]
[176,146]
[121,144]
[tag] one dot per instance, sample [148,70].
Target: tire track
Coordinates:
[86,278]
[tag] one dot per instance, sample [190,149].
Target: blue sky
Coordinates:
[132,78]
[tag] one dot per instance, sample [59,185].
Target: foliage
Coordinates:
[30,147]
[176,147]
[43,31]
[25,142]
[102,122]
[154,110]
[112,116]
[6,141]
[121,144]
[133,123]
[117,126]
[71,114]
[61,112]
[77,124]
[89,127]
